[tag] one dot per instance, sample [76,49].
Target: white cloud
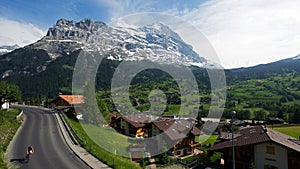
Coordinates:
[13,32]
[246,33]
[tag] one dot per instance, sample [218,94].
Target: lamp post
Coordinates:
[232,140]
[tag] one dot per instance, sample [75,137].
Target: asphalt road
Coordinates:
[40,129]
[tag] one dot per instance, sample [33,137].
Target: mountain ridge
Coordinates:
[156,42]
[66,39]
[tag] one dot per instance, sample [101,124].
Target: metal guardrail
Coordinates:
[69,126]
[19,115]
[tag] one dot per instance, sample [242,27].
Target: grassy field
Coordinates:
[102,136]
[293,131]
[8,127]
[108,139]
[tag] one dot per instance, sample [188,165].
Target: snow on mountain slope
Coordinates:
[156,42]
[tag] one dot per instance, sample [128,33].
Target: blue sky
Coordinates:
[243,33]
[45,13]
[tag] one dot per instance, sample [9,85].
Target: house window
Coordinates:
[270,150]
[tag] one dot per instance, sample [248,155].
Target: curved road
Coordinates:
[40,129]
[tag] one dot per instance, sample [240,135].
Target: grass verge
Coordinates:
[8,127]
[109,158]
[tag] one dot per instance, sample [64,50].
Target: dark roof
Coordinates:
[174,134]
[227,136]
[247,136]
[163,124]
[256,135]
[176,129]
[195,131]
[284,140]
[137,120]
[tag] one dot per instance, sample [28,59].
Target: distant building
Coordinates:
[175,131]
[178,132]
[4,104]
[274,120]
[131,124]
[67,102]
[260,148]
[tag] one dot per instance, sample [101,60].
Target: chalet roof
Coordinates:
[256,135]
[137,120]
[284,140]
[174,135]
[228,136]
[195,131]
[163,124]
[72,99]
[176,129]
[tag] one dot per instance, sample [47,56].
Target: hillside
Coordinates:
[44,69]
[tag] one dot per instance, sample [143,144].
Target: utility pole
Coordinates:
[232,140]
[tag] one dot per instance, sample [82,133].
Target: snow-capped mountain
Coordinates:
[156,42]
[8,48]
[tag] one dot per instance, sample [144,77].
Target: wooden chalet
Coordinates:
[67,102]
[177,132]
[259,147]
[180,133]
[132,125]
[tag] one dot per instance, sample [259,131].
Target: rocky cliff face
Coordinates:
[155,42]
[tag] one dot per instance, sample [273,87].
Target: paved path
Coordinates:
[45,131]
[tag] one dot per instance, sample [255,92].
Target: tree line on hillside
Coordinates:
[9,92]
[277,88]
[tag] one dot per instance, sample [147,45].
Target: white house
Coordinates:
[260,148]
[5,105]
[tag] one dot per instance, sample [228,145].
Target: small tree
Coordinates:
[9,92]
[260,114]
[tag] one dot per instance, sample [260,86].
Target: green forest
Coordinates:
[255,93]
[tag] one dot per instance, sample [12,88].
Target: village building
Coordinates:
[134,125]
[177,132]
[274,120]
[259,147]
[4,104]
[180,133]
[66,103]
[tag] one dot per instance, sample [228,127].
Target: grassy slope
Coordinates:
[8,127]
[101,135]
[293,131]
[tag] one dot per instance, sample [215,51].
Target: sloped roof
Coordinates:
[174,134]
[195,131]
[176,129]
[72,99]
[163,124]
[284,140]
[137,120]
[256,135]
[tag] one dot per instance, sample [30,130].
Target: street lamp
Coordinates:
[232,140]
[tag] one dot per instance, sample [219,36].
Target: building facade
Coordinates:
[260,148]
